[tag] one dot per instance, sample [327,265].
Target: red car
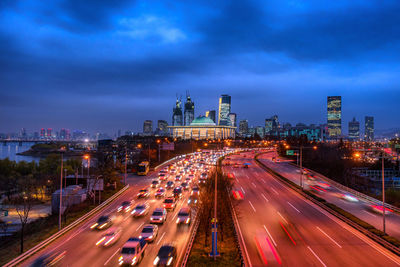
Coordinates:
[169,203]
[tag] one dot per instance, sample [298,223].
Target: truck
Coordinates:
[143,168]
[133,251]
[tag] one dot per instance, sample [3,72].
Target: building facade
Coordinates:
[224,110]
[334,117]
[260,131]
[162,126]
[211,115]
[354,130]
[243,127]
[232,119]
[369,128]
[189,111]
[177,118]
[148,127]
[271,125]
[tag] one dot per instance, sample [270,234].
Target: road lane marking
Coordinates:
[126,218]
[369,213]
[264,197]
[112,256]
[282,217]
[274,190]
[140,226]
[263,181]
[329,237]
[252,206]
[243,190]
[162,236]
[270,236]
[293,206]
[312,251]
[254,185]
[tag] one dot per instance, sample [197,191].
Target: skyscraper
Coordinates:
[177,119]
[189,110]
[224,110]
[271,125]
[211,114]
[148,127]
[334,116]
[232,119]
[354,130]
[42,133]
[369,128]
[49,132]
[162,126]
[243,127]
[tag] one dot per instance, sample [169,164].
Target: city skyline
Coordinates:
[70,75]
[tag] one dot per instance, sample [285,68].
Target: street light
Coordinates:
[62,150]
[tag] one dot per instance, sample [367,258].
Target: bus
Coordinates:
[143,168]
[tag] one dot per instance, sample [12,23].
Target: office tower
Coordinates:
[224,110]
[232,119]
[36,135]
[177,119]
[354,130]
[271,125]
[148,127]
[42,133]
[189,110]
[334,116]
[243,127]
[119,133]
[63,134]
[211,114]
[260,131]
[22,134]
[162,126]
[369,128]
[49,130]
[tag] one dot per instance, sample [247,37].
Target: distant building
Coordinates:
[23,133]
[162,127]
[189,110]
[36,135]
[148,127]
[211,115]
[42,133]
[260,131]
[49,132]
[202,128]
[251,131]
[334,117]
[243,127]
[271,125]
[232,119]
[369,128]
[354,130]
[119,133]
[177,118]
[224,110]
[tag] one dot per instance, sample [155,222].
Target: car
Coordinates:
[149,232]
[103,222]
[125,206]
[185,186]
[188,180]
[155,184]
[191,177]
[165,256]
[195,191]
[140,210]
[159,215]
[110,237]
[169,185]
[184,216]
[177,178]
[52,259]
[160,192]
[193,200]
[169,203]
[132,251]
[143,193]
[162,176]
[177,192]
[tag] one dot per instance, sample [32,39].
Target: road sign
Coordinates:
[167,146]
[290,152]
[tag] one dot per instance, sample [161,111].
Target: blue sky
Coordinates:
[109,65]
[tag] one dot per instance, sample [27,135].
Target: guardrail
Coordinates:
[60,233]
[364,231]
[191,239]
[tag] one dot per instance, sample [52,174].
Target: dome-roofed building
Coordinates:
[203,128]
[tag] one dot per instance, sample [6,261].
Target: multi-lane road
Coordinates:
[79,243]
[362,209]
[280,227]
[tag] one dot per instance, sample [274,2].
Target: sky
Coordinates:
[106,65]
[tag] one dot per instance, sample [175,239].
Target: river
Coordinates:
[10,150]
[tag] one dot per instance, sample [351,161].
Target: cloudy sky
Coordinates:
[108,65]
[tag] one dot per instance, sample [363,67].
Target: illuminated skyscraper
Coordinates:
[354,130]
[369,128]
[224,110]
[162,126]
[334,116]
[232,119]
[211,114]
[271,125]
[42,133]
[177,119]
[189,110]
[49,132]
[243,127]
[148,127]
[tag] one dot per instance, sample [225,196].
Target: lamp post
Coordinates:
[61,188]
[214,232]
[301,161]
[383,193]
[126,164]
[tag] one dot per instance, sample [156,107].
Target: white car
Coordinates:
[110,237]
[140,210]
[159,216]
[149,232]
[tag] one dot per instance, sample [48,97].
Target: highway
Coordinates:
[362,209]
[289,230]
[79,243]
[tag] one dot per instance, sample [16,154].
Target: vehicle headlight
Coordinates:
[99,242]
[94,225]
[187,220]
[177,220]
[156,260]
[134,260]
[169,261]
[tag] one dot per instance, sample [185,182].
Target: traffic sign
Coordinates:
[290,152]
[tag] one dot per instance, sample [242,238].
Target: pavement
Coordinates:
[79,243]
[362,209]
[281,228]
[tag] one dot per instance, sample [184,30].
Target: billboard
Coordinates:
[167,146]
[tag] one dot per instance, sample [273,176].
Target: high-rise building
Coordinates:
[232,119]
[243,127]
[119,133]
[260,131]
[354,130]
[49,132]
[369,128]
[177,119]
[63,134]
[211,114]
[36,135]
[162,126]
[148,127]
[42,133]
[271,125]
[22,134]
[189,110]
[334,116]
[224,110]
